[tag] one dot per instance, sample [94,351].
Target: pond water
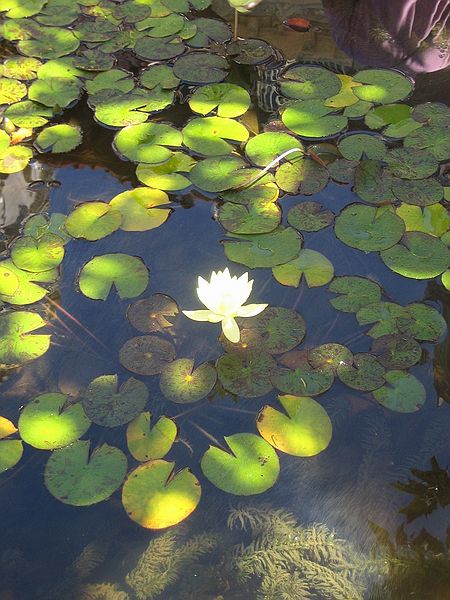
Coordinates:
[282,468]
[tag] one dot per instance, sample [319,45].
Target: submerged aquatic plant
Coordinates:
[224,297]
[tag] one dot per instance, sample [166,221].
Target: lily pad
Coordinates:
[148,441]
[159,75]
[18,343]
[162,27]
[389,114]
[156,497]
[331,355]
[368,228]
[93,221]
[357,110]
[9,282]
[402,392]
[365,374]
[258,216]
[39,225]
[58,138]
[309,82]
[76,477]
[122,110]
[34,255]
[28,291]
[54,91]
[264,148]
[11,90]
[419,192]
[246,374]
[298,377]
[409,163]
[200,67]
[396,351]
[109,406]
[209,31]
[229,99]
[167,176]
[418,256]
[50,42]
[153,314]
[263,190]
[207,135]
[49,422]
[305,430]
[147,142]
[128,274]
[181,383]
[356,292]
[249,51]
[302,176]
[357,145]
[373,183]
[114,79]
[311,119]
[434,219]
[251,466]
[264,250]
[310,216]
[18,9]
[10,450]
[164,48]
[28,114]
[146,354]
[314,266]
[345,96]
[382,86]
[219,173]
[141,209]
[433,139]
[14,159]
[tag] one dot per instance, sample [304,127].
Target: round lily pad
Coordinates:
[209,31]
[76,477]
[373,183]
[147,440]
[229,99]
[258,216]
[122,110]
[264,148]
[49,422]
[302,176]
[246,374]
[356,292]
[163,48]
[9,282]
[49,43]
[309,82]
[11,90]
[249,51]
[365,374]
[55,91]
[264,250]
[396,351]
[10,450]
[200,67]
[58,138]
[310,216]
[219,173]
[28,292]
[34,255]
[147,142]
[163,26]
[159,75]
[409,163]
[141,209]
[368,228]
[21,67]
[356,145]
[251,466]
[389,114]
[167,176]
[208,135]
[39,225]
[382,86]
[402,392]
[418,256]
[128,274]
[434,139]
[434,219]
[93,221]
[110,406]
[298,377]
[181,383]
[311,119]
[304,431]
[310,264]
[332,355]
[15,159]
[156,497]
[18,343]
[153,314]
[146,354]
[419,192]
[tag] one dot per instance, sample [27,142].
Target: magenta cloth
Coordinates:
[412,35]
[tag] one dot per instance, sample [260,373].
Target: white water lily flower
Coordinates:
[224,297]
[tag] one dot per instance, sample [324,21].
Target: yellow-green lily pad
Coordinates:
[18,343]
[30,254]
[402,392]
[246,374]
[148,441]
[181,383]
[128,274]
[310,264]
[10,450]
[93,221]
[141,208]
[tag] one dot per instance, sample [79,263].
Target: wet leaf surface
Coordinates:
[180,382]
[146,354]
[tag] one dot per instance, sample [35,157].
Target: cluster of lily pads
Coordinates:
[69,49]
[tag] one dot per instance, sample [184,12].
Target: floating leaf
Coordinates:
[11,91]
[28,292]
[309,82]
[251,466]
[314,266]
[368,228]
[93,220]
[246,374]
[418,256]
[331,355]
[219,173]
[49,42]
[34,255]
[147,142]
[309,216]
[156,497]
[114,79]
[162,27]
[302,176]
[264,250]
[180,383]
[128,274]
[389,114]
[146,354]
[15,159]
[419,192]
[122,110]
[356,292]
[249,51]
[158,48]
[409,163]
[356,145]
[62,68]
[434,219]
[305,431]
[159,75]
[168,175]
[18,344]
[262,149]
[357,110]
[396,351]
[402,392]
[258,216]
[153,314]
[446,279]
[147,441]
[230,100]
[39,225]
[311,119]
[264,190]
[109,406]
[382,86]
[140,210]
[365,374]
[345,96]
[77,478]
[298,377]
[373,183]
[54,91]
[58,138]
[10,450]
[9,282]
[433,139]
[49,422]
[200,67]
[18,9]
[207,135]
[28,114]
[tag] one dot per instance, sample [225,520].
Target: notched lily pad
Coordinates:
[409,163]
[308,82]
[368,228]
[18,343]
[356,145]
[382,86]
[311,119]
[297,376]
[246,374]
[229,99]
[128,274]
[266,147]
[396,351]
[310,216]
[200,67]
[365,374]
[402,392]
[302,176]
[310,264]
[30,254]
[149,441]
[147,142]
[10,450]
[93,221]
[141,209]
[418,256]
[356,292]
[153,314]
[249,51]
[146,354]
[208,135]
[58,138]
[257,216]
[181,383]
[331,355]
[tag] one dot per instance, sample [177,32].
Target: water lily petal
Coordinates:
[251,310]
[231,330]
[203,315]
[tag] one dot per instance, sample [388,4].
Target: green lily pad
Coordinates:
[128,274]
[14,159]
[418,256]
[365,374]
[207,135]
[18,343]
[309,83]
[434,219]
[262,191]
[345,96]
[298,377]
[94,31]
[153,314]
[264,148]
[389,114]
[11,90]
[419,192]
[9,282]
[10,450]
[373,183]
[246,374]
[58,12]
[357,145]
[402,392]
[114,79]
[251,466]
[49,422]
[209,31]
[34,255]
[5,141]
[28,292]
[310,216]
[356,293]
[159,75]
[49,43]
[167,176]
[229,99]
[109,406]
[28,114]
[146,354]
[409,163]
[59,138]
[93,221]
[432,113]
[122,110]
[446,279]
[200,67]
[156,497]
[62,68]
[149,48]
[305,430]
[314,266]
[258,216]
[368,228]
[181,383]
[331,355]
[357,110]
[219,173]
[39,225]
[147,142]
[249,51]
[17,9]
[264,250]
[402,128]
[302,176]
[148,441]
[433,139]
[311,119]
[396,351]
[382,86]
[162,27]
[78,478]
[140,209]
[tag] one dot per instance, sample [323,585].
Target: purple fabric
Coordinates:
[412,35]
